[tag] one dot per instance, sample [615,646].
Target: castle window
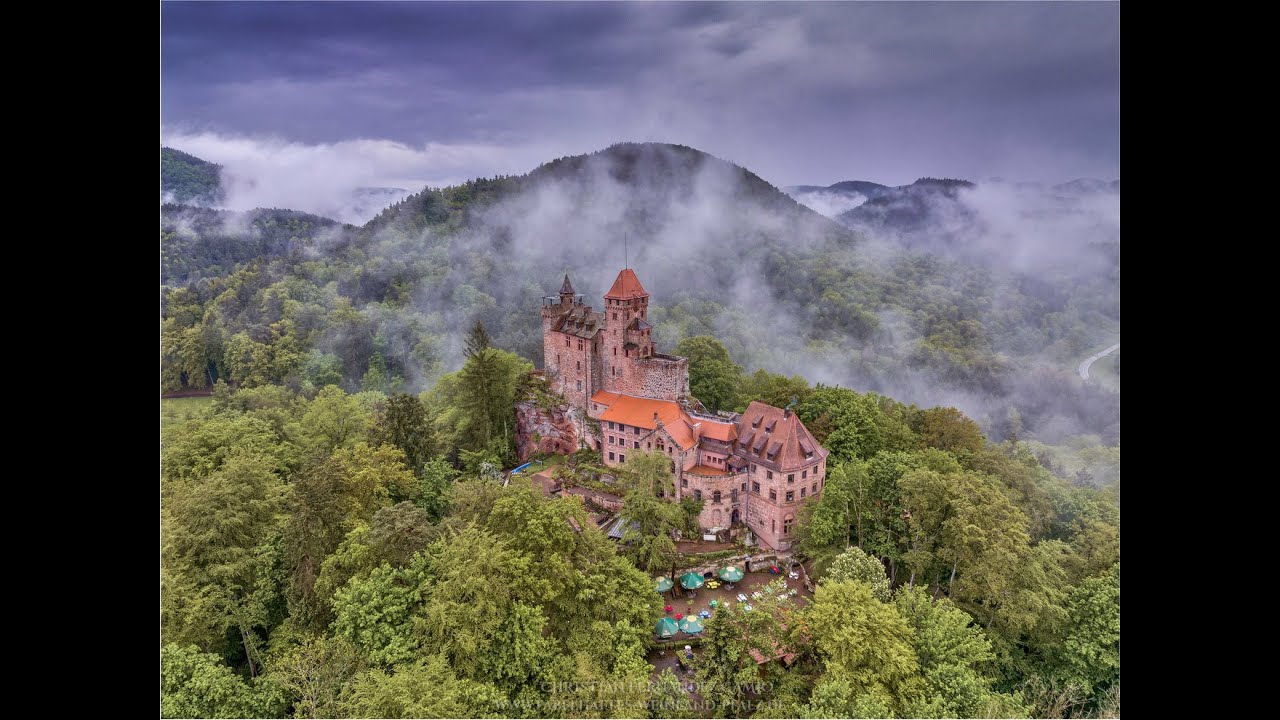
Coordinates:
[791,478]
[668,450]
[615,316]
[611,456]
[753,468]
[615,352]
[804,492]
[684,482]
[773,495]
[715,497]
[786,526]
[804,474]
[647,446]
[611,440]
[697,494]
[773,526]
[579,384]
[768,474]
[637,442]
[791,496]
[622,458]
[815,489]
[755,487]
[744,487]
[637,429]
[579,364]
[566,342]
[611,427]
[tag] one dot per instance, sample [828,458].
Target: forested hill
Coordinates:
[917,206]
[723,253]
[188,179]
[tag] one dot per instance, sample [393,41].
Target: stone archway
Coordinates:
[735,518]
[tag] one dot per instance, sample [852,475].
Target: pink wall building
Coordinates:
[755,468]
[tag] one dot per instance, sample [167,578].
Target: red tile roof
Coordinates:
[789,444]
[626,287]
[639,412]
[606,398]
[727,432]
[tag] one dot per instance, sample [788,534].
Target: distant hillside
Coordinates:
[928,202]
[1088,185]
[722,251]
[832,200]
[186,179]
[198,242]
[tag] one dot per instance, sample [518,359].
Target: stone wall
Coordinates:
[731,497]
[664,377]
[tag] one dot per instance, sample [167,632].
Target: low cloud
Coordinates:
[350,180]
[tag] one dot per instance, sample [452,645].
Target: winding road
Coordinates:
[1089,361]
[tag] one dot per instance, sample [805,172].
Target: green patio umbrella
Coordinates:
[662,583]
[691,581]
[665,628]
[730,574]
[691,624]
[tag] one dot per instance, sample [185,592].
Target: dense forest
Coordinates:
[277,297]
[189,180]
[365,560]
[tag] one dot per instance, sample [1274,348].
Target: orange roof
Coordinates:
[606,398]
[626,287]
[639,412]
[728,432]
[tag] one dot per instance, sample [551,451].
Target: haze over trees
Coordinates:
[875,308]
[365,559]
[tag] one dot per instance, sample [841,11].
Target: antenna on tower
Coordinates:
[626,256]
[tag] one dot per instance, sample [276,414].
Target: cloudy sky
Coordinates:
[408,94]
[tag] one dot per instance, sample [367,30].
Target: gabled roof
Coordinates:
[580,322]
[626,287]
[639,412]
[789,444]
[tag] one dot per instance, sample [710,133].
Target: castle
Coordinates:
[756,467]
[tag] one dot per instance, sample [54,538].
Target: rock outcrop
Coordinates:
[542,430]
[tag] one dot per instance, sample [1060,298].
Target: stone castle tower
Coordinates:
[754,469]
[585,351]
